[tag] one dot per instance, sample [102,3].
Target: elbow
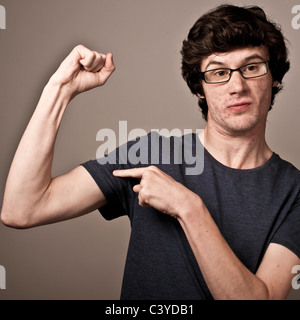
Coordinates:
[12,220]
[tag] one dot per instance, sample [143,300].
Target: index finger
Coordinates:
[93,61]
[130,173]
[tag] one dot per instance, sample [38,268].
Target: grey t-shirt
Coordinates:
[252,208]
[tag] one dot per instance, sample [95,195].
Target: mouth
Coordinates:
[239,106]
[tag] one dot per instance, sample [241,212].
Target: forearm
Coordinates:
[30,172]
[225,275]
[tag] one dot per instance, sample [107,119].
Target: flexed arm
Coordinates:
[31,196]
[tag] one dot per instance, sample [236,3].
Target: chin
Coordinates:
[242,126]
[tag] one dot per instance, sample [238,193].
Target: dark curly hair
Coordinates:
[224,29]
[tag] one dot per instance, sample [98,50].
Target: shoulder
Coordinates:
[285,168]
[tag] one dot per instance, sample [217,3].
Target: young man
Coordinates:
[231,232]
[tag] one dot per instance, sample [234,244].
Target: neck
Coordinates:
[246,150]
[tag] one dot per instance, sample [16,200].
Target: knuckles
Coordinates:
[147,182]
[150,171]
[153,168]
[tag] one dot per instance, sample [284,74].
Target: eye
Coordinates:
[221,73]
[251,68]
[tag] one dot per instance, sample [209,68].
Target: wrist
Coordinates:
[58,88]
[190,209]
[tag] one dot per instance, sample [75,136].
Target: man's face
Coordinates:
[239,105]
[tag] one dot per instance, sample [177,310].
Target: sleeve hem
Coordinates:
[289,246]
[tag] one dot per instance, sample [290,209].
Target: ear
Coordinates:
[200,96]
[276,83]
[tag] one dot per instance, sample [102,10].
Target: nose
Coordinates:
[237,83]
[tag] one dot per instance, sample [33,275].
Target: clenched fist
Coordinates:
[83,70]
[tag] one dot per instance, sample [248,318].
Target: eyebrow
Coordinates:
[244,61]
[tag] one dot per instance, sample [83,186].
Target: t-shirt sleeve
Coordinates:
[117,191]
[288,234]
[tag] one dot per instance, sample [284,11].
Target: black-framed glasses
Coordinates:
[248,71]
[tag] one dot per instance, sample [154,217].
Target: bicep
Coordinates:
[69,196]
[275,270]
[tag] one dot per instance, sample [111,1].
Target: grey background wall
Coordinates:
[84,258]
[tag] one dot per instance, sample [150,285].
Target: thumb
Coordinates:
[108,68]
[136,188]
